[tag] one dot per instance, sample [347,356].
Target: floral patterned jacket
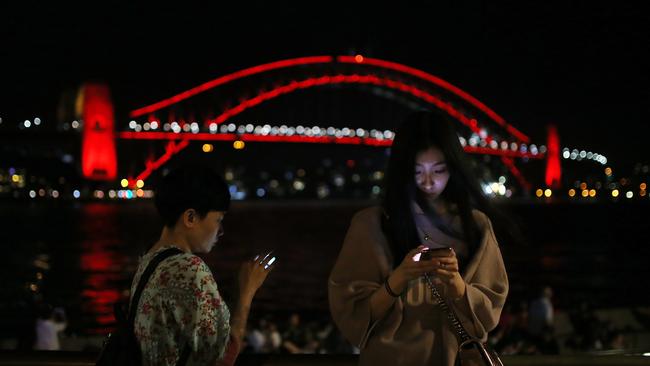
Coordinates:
[181,306]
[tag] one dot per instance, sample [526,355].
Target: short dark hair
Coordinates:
[190,187]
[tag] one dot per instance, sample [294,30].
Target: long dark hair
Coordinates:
[420,131]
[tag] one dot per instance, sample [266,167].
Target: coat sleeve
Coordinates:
[357,274]
[487,287]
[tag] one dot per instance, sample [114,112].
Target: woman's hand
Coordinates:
[411,269]
[253,273]
[447,271]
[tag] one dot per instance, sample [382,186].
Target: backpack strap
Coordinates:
[182,360]
[151,267]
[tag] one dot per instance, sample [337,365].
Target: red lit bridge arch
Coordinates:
[496,135]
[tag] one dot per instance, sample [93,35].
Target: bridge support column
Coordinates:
[98,155]
[553,170]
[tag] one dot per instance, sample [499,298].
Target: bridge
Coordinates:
[208,112]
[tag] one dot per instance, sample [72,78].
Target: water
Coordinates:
[82,255]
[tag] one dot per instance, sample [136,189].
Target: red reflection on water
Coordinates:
[103,262]
[99,261]
[552,263]
[100,292]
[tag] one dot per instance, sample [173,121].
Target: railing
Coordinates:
[53,358]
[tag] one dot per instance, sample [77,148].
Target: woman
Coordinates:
[377,295]
[181,317]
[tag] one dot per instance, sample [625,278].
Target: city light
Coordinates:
[322,191]
[298,185]
[502,190]
[642,186]
[359,178]
[615,193]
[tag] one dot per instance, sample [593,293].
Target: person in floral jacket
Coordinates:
[181,317]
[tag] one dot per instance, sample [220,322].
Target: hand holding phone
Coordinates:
[430,253]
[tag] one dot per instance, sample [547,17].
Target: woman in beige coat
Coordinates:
[377,294]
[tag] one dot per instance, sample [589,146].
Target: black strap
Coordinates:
[182,360]
[144,278]
[451,315]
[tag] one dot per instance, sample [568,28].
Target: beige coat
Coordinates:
[414,330]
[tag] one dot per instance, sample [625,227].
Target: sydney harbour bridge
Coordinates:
[320,100]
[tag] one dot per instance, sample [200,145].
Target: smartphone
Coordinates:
[269,263]
[428,254]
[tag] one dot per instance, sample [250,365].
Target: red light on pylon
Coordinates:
[553,170]
[98,155]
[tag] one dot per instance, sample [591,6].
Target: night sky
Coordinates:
[581,65]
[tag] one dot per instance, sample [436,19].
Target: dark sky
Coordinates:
[581,65]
